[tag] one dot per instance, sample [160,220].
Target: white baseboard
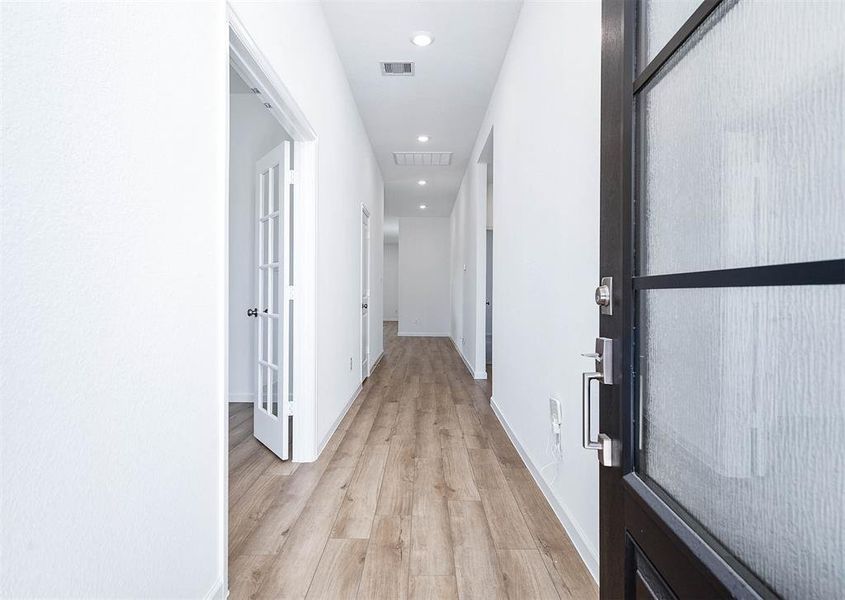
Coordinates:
[242,397]
[588,553]
[421,334]
[217,591]
[336,423]
[377,361]
[475,374]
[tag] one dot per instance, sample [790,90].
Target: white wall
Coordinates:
[253,132]
[391,282]
[112,299]
[546,245]
[296,41]
[468,255]
[424,276]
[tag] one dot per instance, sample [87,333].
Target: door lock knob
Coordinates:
[252,312]
[604,296]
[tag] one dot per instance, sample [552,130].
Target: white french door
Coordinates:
[365,293]
[271,410]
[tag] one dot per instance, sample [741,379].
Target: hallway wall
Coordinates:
[546,213]
[424,276]
[112,288]
[296,41]
[253,132]
[391,282]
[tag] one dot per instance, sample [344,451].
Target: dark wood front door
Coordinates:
[723,237]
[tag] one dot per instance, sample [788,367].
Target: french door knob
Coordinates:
[365,306]
[252,312]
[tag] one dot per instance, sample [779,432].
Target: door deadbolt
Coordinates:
[604,296]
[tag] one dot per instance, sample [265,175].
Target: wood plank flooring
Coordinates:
[419,494]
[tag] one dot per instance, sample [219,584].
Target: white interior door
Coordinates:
[271,410]
[488,314]
[365,293]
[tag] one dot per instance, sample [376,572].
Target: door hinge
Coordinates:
[289,292]
[291,407]
[292,177]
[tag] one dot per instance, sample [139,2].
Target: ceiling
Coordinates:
[236,84]
[446,98]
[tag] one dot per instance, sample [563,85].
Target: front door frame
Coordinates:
[641,526]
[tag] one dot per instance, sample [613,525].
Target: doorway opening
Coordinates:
[390,269]
[261,195]
[365,293]
[485,331]
[488,312]
[269,414]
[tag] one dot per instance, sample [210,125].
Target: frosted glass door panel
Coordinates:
[752,170]
[659,21]
[743,423]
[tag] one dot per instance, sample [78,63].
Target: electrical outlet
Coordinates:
[462,340]
[554,411]
[556,418]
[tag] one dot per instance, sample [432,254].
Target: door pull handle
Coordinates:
[586,406]
[252,312]
[607,448]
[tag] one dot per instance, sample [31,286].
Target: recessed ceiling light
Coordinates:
[422,38]
[422,138]
[422,182]
[423,206]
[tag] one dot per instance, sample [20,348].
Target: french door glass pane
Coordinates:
[277,291]
[277,241]
[271,340]
[266,250]
[289,231]
[659,21]
[274,197]
[275,393]
[290,350]
[743,423]
[266,282]
[262,338]
[264,207]
[752,170]
[262,386]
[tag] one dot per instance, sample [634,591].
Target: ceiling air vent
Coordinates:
[422,159]
[397,68]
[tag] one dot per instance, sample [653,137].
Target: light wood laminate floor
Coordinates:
[419,494]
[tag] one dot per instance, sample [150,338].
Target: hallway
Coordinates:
[419,494]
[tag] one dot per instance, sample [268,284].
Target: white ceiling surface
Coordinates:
[236,84]
[447,97]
